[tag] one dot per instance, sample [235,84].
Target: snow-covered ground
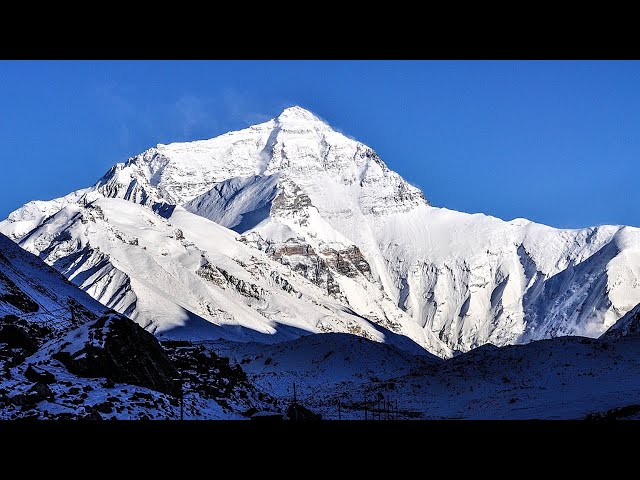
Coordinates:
[561,378]
[33,290]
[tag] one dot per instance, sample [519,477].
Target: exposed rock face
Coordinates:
[211,273]
[303,259]
[15,334]
[284,284]
[39,375]
[629,325]
[244,288]
[120,350]
[214,377]
[348,261]
[319,268]
[291,201]
[12,295]
[36,394]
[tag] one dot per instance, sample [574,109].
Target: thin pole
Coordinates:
[365,406]
[181,380]
[295,403]
[181,400]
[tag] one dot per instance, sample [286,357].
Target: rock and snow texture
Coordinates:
[629,325]
[325,239]
[188,278]
[559,378]
[63,355]
[32,290]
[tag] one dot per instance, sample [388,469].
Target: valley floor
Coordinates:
[562,378]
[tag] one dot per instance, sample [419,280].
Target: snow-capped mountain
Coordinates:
[289,227]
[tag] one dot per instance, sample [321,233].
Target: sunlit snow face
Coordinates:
[303,196]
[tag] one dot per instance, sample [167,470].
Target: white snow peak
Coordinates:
[319,214]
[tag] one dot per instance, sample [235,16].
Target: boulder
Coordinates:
[120,351]
[36,394]
[104,407]
[92,415]
[39,375]
[16,336]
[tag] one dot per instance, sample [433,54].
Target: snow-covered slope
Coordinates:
[560,378]
[63,355]
[31,289]
[355,237]
[629,325]
[320,365]
[191,279]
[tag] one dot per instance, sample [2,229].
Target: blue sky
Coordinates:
[553,141]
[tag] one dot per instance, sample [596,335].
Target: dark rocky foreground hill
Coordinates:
[112,368]
[65,356]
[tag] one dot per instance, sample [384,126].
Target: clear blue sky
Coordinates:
[557,142]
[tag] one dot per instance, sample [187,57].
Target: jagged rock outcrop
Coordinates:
[627,326]
[117,349]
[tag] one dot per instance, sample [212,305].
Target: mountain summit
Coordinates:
[297,114]
[296,144]
[288,228]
